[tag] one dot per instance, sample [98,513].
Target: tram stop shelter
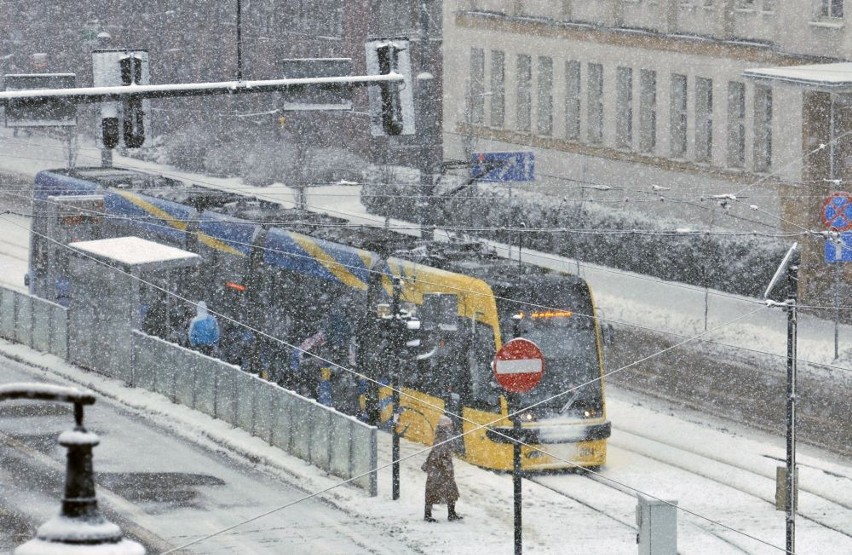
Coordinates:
[107,279]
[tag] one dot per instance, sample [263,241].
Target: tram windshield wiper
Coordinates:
[570,402]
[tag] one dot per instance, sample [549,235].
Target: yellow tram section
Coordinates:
[420,412]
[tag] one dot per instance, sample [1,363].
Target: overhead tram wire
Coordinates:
[556,229]
[533,447]
[460,417]
[540,255]
[676,233]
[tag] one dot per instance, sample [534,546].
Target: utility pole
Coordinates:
[427,127]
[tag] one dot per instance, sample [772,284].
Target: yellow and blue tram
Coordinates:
[289,275]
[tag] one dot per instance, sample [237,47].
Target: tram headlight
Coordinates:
[527,416]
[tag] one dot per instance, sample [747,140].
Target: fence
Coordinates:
[335,442]
[37,323]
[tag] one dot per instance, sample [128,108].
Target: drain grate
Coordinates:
[158,487]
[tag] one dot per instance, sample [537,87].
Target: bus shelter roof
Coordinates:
[137,253]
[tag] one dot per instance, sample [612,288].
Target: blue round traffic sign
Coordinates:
[837,211]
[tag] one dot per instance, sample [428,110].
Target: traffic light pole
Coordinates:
[427,128]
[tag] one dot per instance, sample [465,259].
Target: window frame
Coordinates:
[647,110]
[595,110]
[679,121]
[624,107]
[523,98]
[544,123]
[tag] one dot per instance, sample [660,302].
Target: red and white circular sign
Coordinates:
[518,365]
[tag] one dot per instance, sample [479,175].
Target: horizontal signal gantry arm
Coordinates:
[171,90]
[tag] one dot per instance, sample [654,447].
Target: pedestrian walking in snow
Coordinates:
[204,331]
[440,477]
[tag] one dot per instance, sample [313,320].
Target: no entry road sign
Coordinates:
[518,365]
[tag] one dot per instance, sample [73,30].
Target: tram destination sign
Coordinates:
[518,365]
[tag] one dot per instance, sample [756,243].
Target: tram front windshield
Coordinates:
[565,333]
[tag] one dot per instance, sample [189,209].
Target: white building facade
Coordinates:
[620,98]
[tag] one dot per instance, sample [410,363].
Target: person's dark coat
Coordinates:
[440,477]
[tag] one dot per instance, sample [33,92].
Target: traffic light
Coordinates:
[123,123]
[391,111]
[134,115]
[391,103]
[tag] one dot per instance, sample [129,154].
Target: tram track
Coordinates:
[559,485]
[726,473]
[685,460]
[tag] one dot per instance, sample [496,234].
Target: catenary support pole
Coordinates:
[516,481]
[790,501]
[399,345]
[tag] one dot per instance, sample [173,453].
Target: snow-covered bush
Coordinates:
[741,264]
[187,148]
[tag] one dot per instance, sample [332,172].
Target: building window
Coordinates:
[647,110]
[736,124]
[595,111]
[545,95]
[477,86]
[498,92]
[831,8]
[678,116]
[572,100]
[703,119]
[524,99]
[624,107]
[762,128]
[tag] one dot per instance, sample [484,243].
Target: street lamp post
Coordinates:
[790,264]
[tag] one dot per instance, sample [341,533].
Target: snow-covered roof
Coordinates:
[835,77]
[137,252]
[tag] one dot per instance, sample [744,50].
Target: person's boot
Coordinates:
[427,514]
[451,512]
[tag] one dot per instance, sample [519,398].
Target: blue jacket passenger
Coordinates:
[203,330]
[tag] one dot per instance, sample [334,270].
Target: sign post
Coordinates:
[837,217]
[518,367]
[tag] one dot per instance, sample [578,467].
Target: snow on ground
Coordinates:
[552,522]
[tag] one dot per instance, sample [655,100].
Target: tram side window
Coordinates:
[445,372]
[484,392]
